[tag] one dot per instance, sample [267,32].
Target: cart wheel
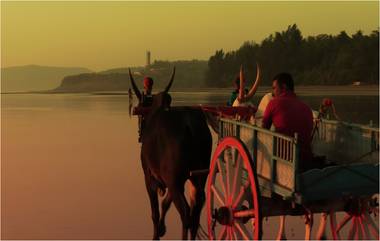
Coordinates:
[233,209]
[356,223]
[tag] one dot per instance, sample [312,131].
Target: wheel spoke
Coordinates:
[230,232]
[358,233]
[228,237]
[222,233]
[239,199]
[234,233]
[245,213]
[243,231]
[217,194]
[237,177]
[364,228]
[343,222]
[334,231]
[228,162]
[352,230]
[222,178]
[237,232]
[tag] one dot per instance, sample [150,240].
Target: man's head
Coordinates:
[148,84]
[281,83]
[327,102]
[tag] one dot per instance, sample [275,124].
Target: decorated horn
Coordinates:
[170,82]
[134,86]
[254,87]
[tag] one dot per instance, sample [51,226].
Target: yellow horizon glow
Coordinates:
[104,35]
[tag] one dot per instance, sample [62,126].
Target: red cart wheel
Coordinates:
[233,209]
[356,223]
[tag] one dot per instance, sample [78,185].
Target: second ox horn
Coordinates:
[170,82]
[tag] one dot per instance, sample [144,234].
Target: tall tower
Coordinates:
[147,58]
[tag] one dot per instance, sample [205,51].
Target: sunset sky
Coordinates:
[104,35]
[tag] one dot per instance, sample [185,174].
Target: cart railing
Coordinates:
[345,143]
[274,155]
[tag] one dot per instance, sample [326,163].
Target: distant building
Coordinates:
[147,58]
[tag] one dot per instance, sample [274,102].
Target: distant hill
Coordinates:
[35,77]
[94,82]
[188,74]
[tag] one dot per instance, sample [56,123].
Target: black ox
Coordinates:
[175,141]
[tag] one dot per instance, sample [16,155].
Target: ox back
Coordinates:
[176,141]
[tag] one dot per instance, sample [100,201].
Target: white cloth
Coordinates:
[261,108]
[263,105]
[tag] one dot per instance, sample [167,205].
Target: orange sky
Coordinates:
[103,35]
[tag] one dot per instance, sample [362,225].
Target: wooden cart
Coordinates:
[253,174]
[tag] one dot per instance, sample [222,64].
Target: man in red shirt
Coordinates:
[289,115]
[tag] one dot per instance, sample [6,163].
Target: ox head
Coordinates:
[242,96]
[160,100]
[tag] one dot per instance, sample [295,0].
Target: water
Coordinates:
[71,168]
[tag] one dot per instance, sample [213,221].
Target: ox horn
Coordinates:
[170,82]
[134,86]
[254,87]
[241,87]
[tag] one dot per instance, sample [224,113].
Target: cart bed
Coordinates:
[275,156]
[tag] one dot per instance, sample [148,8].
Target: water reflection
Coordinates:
[71,168]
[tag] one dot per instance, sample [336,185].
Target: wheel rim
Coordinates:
[356,223]
[233,210]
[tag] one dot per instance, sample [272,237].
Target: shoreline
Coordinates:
[367,90]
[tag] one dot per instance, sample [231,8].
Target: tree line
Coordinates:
[315,60]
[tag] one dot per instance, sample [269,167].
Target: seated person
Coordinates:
[289,115]
[327,105]
[147,95]
[234,93]
[243,98]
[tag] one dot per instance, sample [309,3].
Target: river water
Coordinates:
[71,169]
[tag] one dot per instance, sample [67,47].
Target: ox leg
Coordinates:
[153,197]
[183,209]
[165,205]
[308,224]
[281,231]
[321,234]
[197,199]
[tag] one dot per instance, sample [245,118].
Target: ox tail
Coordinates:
[212,120]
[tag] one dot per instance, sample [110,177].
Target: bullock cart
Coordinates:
[254,175]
